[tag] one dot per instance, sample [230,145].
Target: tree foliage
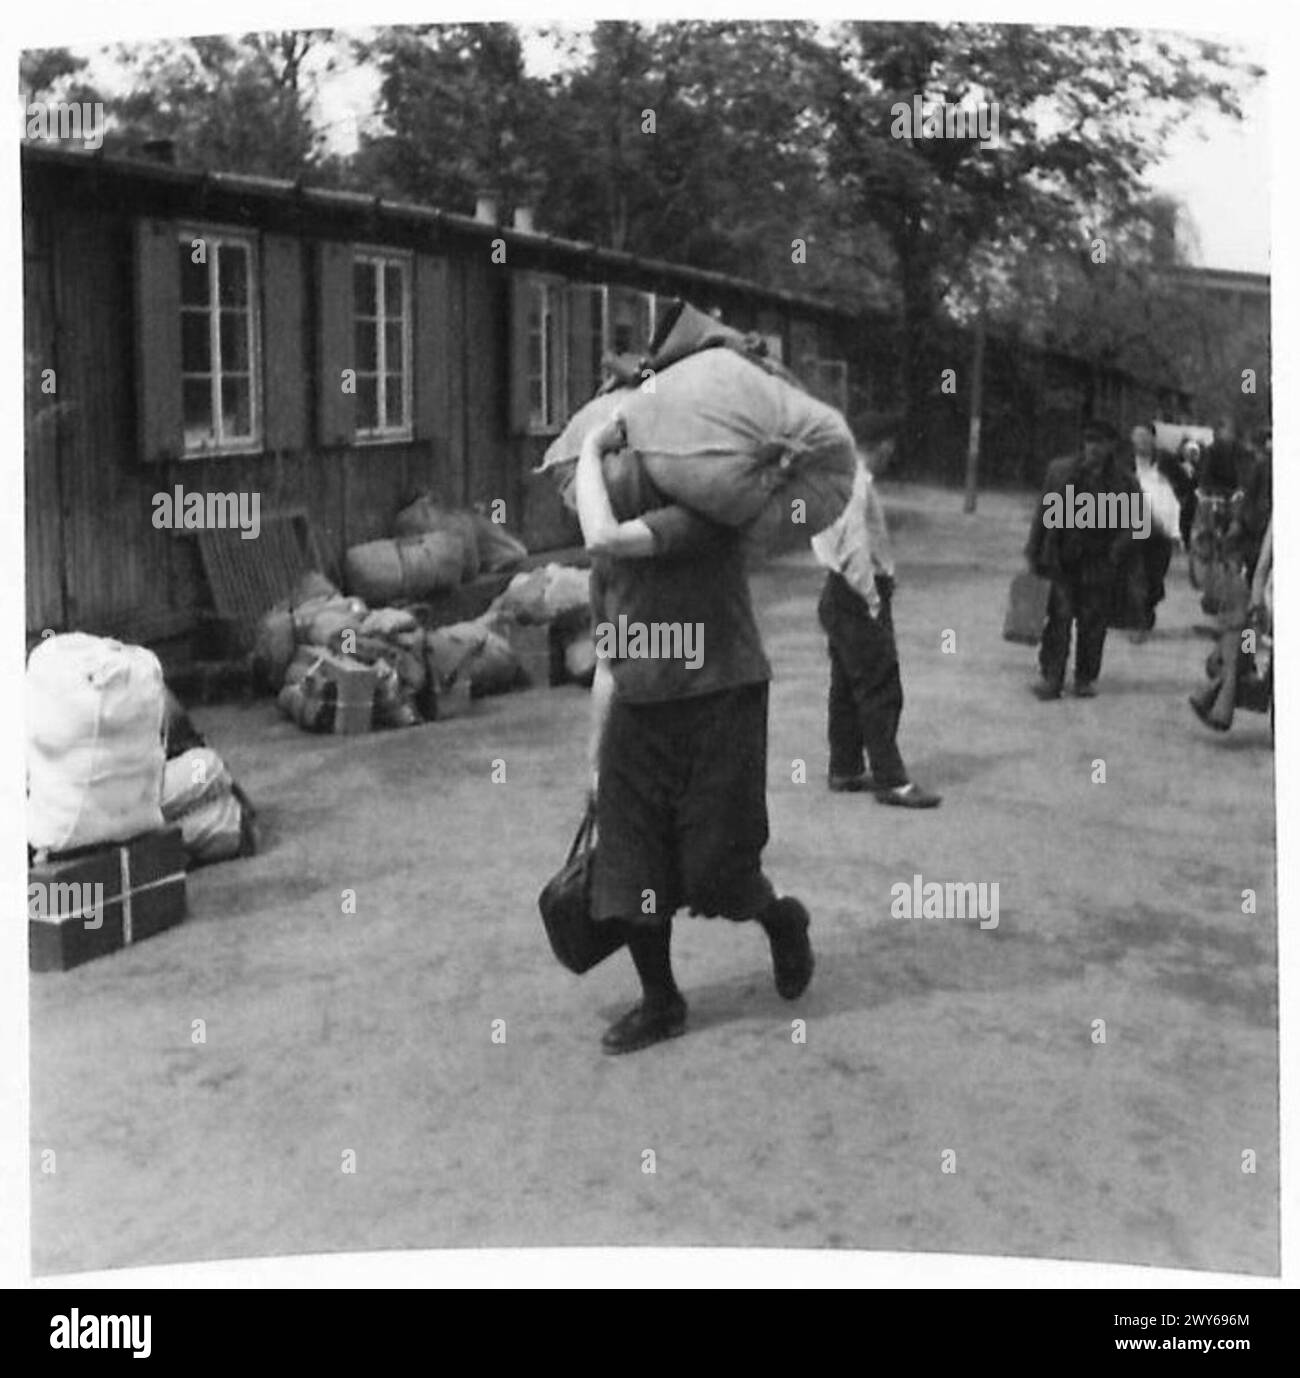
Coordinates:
[1082,114]
[241,103]
[459,113]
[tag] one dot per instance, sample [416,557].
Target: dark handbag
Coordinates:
[578,940]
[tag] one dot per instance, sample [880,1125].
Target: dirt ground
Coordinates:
[329,1032]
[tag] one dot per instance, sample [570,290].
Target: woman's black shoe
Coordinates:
[645,1024]
[786,922]
[1203,713]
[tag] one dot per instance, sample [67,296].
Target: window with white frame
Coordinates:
[545,364]
[381,293]
[562,330]
[220,403]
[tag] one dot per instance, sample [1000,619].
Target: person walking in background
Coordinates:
[1159,479]
[1083,563]
[1189,466]
[679,746]
[866,690]
[1225,465]
[1256,511]
[1249,605]
[1222,472]
[1228,470]
[1245,599]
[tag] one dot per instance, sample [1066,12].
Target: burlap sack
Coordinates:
[730,440]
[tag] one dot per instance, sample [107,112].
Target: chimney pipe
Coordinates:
[524,220]
[486,208]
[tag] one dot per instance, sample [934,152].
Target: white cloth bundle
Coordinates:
[1161,498]
[95,710]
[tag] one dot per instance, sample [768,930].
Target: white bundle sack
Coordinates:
[210,830]
[740,445]
[192,778]
[1161,500]
[567,588]
[95,710]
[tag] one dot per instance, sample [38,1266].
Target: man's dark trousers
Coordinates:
[866,696]
[1157,550]
[1086,605]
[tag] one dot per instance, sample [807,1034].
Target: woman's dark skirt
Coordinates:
[681,808]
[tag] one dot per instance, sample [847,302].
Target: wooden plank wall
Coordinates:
[42,502]
[89,499]
[114,559]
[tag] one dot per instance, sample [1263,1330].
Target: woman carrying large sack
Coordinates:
[680,734]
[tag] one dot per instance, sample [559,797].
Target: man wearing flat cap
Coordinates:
[1082,558]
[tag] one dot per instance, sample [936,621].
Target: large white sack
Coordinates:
[95,711]
[1162,501]
[721,435]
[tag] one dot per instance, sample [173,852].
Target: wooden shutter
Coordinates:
[521,300]
[283,344]
[158,340]
[430,367]
[336,410]
[582,382]
[804,355]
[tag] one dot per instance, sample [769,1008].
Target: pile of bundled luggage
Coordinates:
[373,657]
[122,796]
[338,665]
[111,754]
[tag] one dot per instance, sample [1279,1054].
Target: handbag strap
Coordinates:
[583,835]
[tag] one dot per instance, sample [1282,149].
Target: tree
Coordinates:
[42,70]
[460,115]
[665,140]
[1081,114]
[235,104]
[674,140]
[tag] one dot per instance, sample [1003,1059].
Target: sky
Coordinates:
[1221,168]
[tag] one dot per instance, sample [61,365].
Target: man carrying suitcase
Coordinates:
[1082,560]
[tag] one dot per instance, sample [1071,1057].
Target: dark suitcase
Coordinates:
[1026,609]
